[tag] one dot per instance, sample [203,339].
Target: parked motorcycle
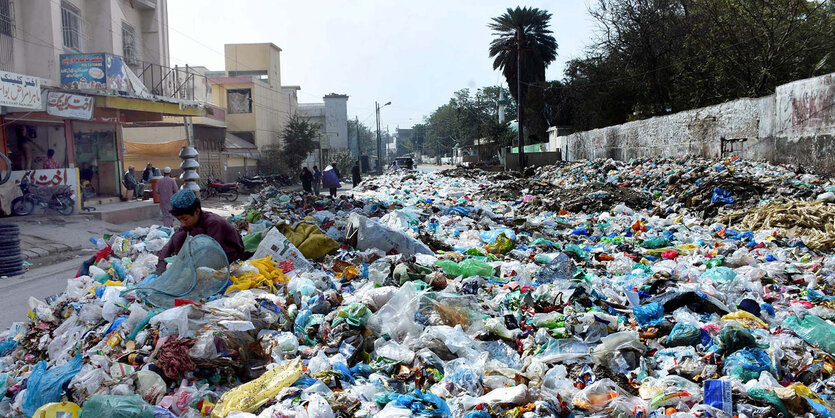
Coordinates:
[251,183]
[47,197]
[215,187]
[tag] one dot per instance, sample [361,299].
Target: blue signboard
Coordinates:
[93,72]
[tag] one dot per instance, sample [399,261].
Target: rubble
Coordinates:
[681,287]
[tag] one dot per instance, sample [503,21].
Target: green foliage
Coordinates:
[466,119]
[298,136]
[298,141]
[343,161]
[539,49]
[655,57]
[368,137]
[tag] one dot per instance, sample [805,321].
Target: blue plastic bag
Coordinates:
[721,196]
[649,314]
[684,334]
[422,404]
[747,364]
[490,236]
[45,386]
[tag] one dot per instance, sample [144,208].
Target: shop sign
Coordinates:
[20,91]
[69,105]
[93,72]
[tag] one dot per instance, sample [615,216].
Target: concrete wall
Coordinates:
[795,125]
[38,37]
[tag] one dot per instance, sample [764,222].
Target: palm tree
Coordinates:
[539,48]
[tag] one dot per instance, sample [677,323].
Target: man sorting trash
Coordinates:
[185,206]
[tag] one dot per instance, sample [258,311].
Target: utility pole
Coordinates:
[359,147]
[379,158]
[379,144]
[520,102]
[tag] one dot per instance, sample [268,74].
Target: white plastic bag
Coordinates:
[276,245]
[372,234]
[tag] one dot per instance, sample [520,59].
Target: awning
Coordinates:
[236,146]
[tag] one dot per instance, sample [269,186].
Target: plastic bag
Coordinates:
[250,396]
[814,330]
[117,406]
[734,338]
[318,407]
[282,251]
[182,320]
[199,271]
[561,268]
[502,245]
[150,385]
[649,314]
[747,364]
[309,239]
[684,334]
[45,386]
[370,234]
[467,268]
[597,396]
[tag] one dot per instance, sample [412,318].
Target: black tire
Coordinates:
[22,206]
[12,272]
[231,195]
[10,250]
[9,239]
[9,229]
[11,259]
[204,193]
[66,206]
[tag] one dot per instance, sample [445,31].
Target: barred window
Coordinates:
[6,18]
[71,26]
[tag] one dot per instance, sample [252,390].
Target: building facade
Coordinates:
[257,106]
[34,33]
[332,118]
[69,83]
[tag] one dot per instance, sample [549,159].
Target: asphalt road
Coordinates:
[39,283]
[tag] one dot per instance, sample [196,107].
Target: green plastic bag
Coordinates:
[814,330]
[355,314]
[770,397]
[251,241]
[733,338]
[721,275]
[467,268]
[576,250]
[655,243]
[113,406]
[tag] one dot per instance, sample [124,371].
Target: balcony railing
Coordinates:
[176,82]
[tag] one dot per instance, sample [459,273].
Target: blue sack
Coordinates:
[45,386]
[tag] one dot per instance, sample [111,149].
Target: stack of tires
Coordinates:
[11,260]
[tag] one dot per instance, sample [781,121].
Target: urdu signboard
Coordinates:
[21,91]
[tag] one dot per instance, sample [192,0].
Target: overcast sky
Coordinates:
[412,53]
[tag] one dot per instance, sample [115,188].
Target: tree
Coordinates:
[368,138]
[298,142]
[539,49]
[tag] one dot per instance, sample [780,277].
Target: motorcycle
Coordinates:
[214,187]
[251,183]
[47,197]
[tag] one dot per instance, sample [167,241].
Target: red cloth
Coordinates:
[173,358]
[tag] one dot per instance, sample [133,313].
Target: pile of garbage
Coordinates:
[414,294]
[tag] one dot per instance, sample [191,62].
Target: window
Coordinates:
[129,43]
[239,100]
[71,25]
[6,18]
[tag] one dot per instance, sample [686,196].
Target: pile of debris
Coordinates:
[593,289]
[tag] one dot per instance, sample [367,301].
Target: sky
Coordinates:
[414,54]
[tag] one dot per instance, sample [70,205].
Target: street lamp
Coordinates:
[379,149]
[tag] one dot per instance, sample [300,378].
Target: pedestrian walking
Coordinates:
[307,180]
[317,179]
[166,187]
[330,179]
[355,174]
